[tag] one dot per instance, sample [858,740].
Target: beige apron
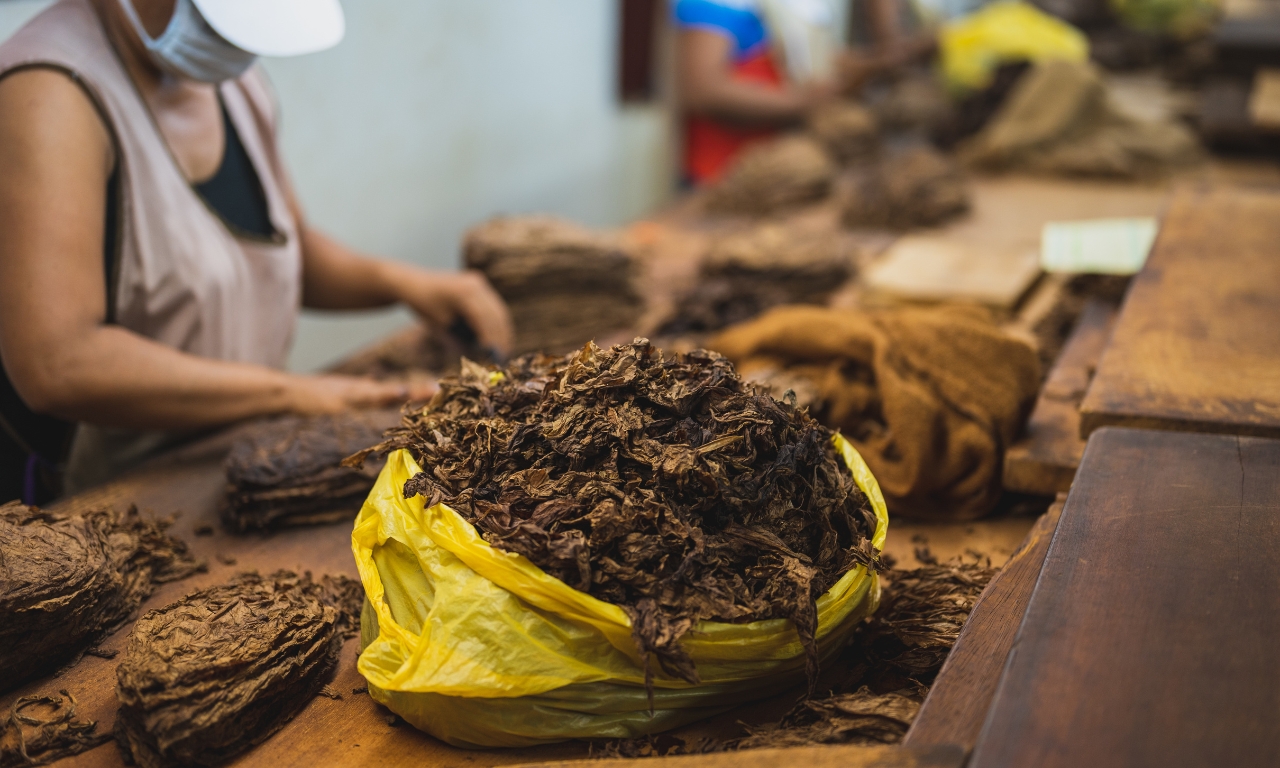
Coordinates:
[183,277]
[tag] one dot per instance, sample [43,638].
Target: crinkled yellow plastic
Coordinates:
[974,46]
[481,648]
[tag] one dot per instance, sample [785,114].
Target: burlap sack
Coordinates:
[930,397]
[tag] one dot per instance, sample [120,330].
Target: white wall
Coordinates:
[433,115]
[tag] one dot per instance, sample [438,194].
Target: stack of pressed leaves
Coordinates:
[660,483]
[288,470]
[209,676]
[67,580]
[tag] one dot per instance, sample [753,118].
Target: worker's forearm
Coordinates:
[116,378]
[746,102]
[336,277]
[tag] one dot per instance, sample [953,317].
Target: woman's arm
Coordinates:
[707,85]
[62,357]
[336,277]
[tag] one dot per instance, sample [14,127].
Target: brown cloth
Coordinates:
[929,396]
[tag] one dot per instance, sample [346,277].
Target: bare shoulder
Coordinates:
[45,115]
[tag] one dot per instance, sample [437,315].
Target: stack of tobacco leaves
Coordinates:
[747,273]
[662,484]
[773,176]
[917,188]
[564,284]
[848,131]
[288,470]
[66,581]
[42,729]
[880,680]
[222,669]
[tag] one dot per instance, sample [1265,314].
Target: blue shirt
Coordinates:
[739,20]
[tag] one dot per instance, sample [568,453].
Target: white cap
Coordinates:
[276,27]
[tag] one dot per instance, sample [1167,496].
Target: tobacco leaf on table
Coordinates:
[66,581]
[43,729]
[744,274]
[563,283]
[219,671]
[919,187]
[288,470]
[774,176]
[663,484]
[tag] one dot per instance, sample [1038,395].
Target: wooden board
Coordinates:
[1151,637]
[957,704]
[1044,460]
[1196,346]
[812,757]
[933,268]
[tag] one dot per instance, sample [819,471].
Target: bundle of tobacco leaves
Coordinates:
[847,130]
[662,484]
[288,470]
[564,284]
[222,669]
[66,581]
[917,188]
[774,176]
[745,274]
[43,729]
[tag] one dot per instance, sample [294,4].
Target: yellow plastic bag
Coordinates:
[974,46]
[481,648]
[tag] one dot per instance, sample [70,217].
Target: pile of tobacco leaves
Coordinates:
[217,672]
[563,283]
[773,176]
[919,187]
[66,581]
[660,483]
[747,273]
[877,684]
[288,470]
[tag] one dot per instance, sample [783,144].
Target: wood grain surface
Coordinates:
[1197,344]
[1151,637]
[1045,459]
[957,704]
[812,757]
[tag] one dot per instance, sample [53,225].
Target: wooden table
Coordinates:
[1196,346]
[1151,637]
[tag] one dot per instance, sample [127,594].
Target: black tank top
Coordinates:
[33,447]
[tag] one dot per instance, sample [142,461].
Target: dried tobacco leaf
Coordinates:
[66,581]
[222,669]
[848,131]
[745,274]
[43,729]
[288,470]
[917,188]
[774,176]
[563,283]
[663,484]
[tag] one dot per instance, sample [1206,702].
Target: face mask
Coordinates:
[190,48]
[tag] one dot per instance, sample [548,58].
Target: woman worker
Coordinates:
[154,255]
[733,80]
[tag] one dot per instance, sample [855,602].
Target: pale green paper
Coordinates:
[1101,246]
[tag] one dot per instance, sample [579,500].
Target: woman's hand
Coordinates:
[442,297]
[313,395]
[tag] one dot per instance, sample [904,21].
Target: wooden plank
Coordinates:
[957,704]
[1150,639]
[936,268]
[1044,460]
[813,757]
[1197,344]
